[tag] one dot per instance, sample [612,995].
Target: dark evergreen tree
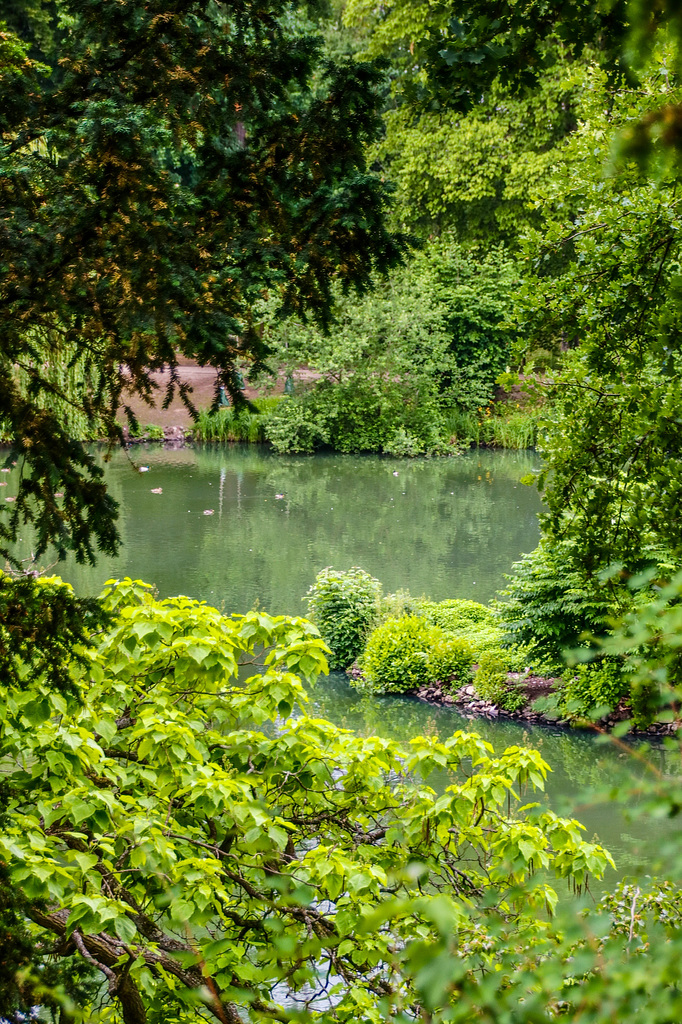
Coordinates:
[162,166]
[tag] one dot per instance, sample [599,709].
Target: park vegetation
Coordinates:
[418,204]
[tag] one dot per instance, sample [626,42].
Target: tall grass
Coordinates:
[515,429]
[231,425]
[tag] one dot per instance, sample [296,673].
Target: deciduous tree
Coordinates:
[182,827]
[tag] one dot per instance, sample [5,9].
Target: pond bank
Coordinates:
[469,704]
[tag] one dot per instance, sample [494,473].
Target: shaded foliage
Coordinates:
[552,604]
[430,339]
[178,164]
[44,628]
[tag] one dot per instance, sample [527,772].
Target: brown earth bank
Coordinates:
[201,380]
[469,704]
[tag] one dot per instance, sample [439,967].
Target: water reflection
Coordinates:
[583,771]
[438,527]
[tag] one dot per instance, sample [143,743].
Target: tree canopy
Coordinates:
[167,169]
[179,825]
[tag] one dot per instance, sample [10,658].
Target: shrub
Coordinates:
[296,427]
[551,603]
[365,413]
[403,654]
[392,606]
[456,614]
[492,683]
[153,432]
[402,443]
[450,659]
[397,654]
[344,607]
[503,427]
[230,424]
[591,688]
[466,620]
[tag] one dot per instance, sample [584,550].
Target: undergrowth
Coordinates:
[494,427]
[230,424]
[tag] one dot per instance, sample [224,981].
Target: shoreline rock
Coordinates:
[173,437]
[466,701]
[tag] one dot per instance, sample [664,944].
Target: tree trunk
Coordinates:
[130,999]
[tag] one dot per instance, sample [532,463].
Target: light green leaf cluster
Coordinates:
[467,620]
[192,840]
[406,653]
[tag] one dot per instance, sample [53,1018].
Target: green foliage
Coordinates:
[392,606]
[593,689]
[153,432]
[44,627]
[646,639]
[202,860]
[477,174]
[459,56]
[395,659]
[345,607]
[474,291]
[294,427]
[148,432]
[406,653]
[467,58]
[618,960]
[65,378]
[429,339]
[603,283]
[364,414]
[30,974]
[492,684]
[236,424]
[551,604]
[496,427]
[218,159]
[466,620]
[450,659]
[456,614]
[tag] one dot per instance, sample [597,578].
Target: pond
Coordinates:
[240,527]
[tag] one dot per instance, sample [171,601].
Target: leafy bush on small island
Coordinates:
[345,607]
[468,620]
[368,414]
[492,682]
[402,644]
[405,654]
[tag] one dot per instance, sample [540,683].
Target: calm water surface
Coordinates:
[238,526]
[437,527]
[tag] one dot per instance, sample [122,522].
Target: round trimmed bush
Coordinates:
[406,653]
[450,659]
